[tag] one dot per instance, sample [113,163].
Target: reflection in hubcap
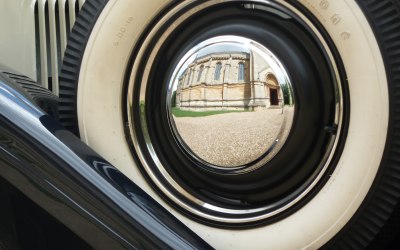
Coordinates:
[230,102]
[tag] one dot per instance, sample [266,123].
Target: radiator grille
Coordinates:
[53,22]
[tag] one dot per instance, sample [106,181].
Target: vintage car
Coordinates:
[227,124]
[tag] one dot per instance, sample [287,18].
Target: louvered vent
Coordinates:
[53,22]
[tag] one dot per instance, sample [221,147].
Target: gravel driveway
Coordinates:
[233,139]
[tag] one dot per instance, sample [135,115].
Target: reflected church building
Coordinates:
[228,80]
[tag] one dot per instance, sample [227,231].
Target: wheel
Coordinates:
[253,122]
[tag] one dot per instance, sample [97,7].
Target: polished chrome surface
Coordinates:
[161,176]
[77,186]
[230,102]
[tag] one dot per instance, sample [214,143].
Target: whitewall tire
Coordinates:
[98,66]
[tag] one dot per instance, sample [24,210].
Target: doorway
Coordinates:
[273,97]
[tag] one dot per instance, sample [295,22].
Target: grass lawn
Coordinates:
[185,113]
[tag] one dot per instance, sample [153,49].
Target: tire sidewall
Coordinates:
[101,89]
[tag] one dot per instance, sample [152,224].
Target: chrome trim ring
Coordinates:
[144,146]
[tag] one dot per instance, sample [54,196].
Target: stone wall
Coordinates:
[203,86]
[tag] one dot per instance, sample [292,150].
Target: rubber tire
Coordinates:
[368,226]
[43,97]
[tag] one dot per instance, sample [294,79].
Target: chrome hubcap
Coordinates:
[230,102]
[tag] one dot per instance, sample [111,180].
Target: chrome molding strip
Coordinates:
[77,186]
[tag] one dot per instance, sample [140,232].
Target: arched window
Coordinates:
[217,74]
[200,73]
[189,75]
[241,72]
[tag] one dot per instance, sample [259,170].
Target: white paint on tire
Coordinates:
[100,120]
